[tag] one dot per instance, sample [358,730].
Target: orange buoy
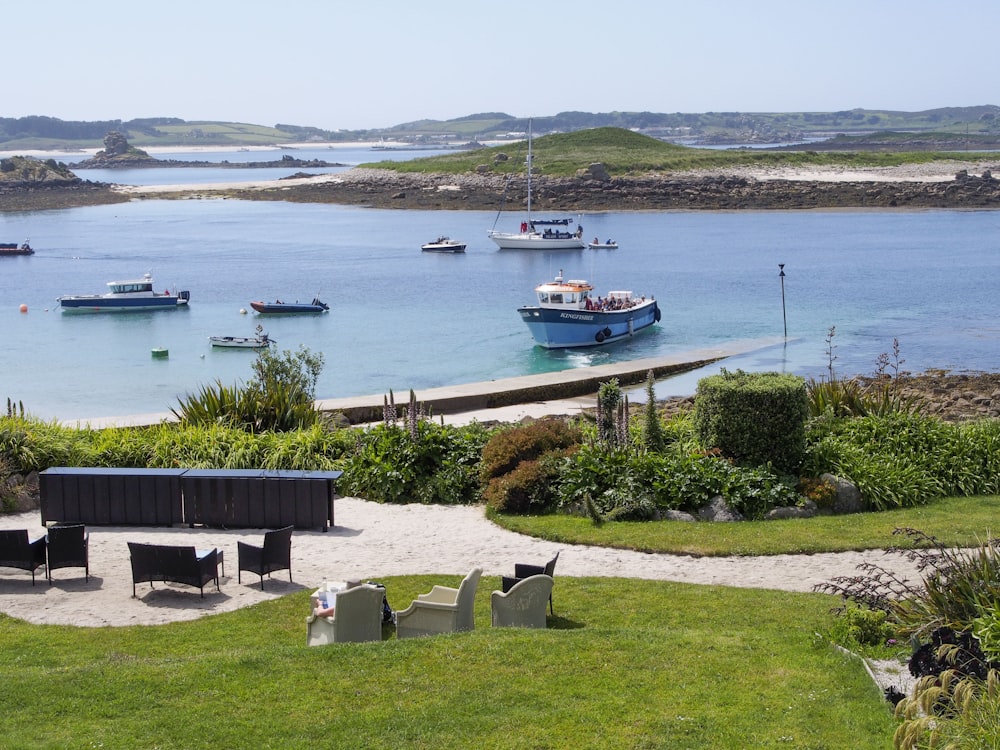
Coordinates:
[24,308]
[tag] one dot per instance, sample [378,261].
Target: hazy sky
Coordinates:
[372,64]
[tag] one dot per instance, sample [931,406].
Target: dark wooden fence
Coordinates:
[226,498]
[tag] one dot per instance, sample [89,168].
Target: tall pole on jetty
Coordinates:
[781,275]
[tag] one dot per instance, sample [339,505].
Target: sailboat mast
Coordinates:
[529,175]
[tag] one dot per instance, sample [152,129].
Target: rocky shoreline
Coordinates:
[388,189]
[944,185]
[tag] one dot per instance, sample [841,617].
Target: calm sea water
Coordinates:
[402,319]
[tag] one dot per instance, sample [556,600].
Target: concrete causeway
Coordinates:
[505,399]
[487,398]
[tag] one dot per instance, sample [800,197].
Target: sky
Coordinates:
[356,65]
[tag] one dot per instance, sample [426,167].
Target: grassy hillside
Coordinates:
[624,152]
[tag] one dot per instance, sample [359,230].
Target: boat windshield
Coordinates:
[562,298]
[124,287]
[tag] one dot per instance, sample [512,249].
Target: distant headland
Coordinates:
[119,154]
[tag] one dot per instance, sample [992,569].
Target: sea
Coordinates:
[847,291]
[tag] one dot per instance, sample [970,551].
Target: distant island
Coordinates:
[691,129]
[610,169]
[119,154]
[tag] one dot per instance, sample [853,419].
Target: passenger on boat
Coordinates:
[597,241]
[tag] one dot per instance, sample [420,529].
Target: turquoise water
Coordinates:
[403,319]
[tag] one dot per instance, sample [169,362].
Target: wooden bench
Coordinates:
[158,562]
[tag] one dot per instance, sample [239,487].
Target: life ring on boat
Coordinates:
[600,336]
[656,315]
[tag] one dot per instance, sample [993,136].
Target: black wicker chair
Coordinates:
[17,551]
[276,554]
[524,570]
[68,547]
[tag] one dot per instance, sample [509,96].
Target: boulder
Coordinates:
[718,510]
[676,515]
[808,509]
[598,171]
[20,493]
[847,498]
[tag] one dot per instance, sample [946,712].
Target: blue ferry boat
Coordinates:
[568,315]
[134,295]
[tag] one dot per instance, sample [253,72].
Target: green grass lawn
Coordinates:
[624,664]
[955,521]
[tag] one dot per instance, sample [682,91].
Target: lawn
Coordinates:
[624,664]
[954,521]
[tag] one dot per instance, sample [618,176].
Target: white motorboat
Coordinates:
[260,341]
[241,342]
[443,245]
[598,245]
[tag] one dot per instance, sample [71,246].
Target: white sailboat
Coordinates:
[539,234]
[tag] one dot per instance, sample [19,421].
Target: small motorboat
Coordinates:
[598,245]
[12,248]
[568,315]
[290,308]
[443,245]
[135,295]
[242,342]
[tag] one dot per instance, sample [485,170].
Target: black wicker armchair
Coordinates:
[525,570]
[276,554]
[68,547]
[18,551]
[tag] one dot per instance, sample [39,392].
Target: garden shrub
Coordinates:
[636,484]
[509,446]
[986,628]
[956,585]
[281,396]
[859,626]
[902,459]
[970,721]
[439,465]
[33,445]
[530,487]
[614,483]
[754,418]
[943,614]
